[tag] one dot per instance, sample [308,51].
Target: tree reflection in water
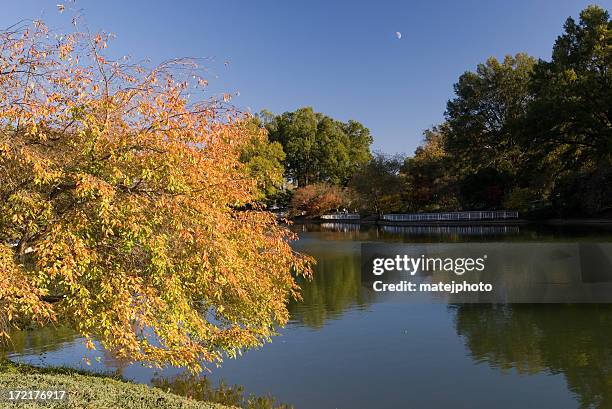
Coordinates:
[200,388]
[335,286]
[574,340]
[37,341]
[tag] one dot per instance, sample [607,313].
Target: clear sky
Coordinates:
[341,57]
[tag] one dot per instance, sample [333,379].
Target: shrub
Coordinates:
[320,198]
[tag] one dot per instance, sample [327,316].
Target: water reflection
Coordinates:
[38,341]
[335,286]
[200,388]
[341,227]
[574,340]
[346,347]
[452,230]
[451,234]
[60,346]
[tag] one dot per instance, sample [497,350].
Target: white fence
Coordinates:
[341,216]
[450,216]
[462,230]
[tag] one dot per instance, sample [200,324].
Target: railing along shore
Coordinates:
[452,216]
[341,216]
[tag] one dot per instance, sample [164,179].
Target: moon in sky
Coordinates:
[398,35]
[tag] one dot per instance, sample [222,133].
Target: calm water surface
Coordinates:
[347,348]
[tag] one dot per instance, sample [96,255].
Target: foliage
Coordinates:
[319,198]
[430,182]
[319,148]
[484,189]
[521,199]
[483,127]
[378,183]
[568,126]
[583,192]
[526,134]
[264,162]
[483,119]
[120,207]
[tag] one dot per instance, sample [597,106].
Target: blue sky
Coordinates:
[341,57]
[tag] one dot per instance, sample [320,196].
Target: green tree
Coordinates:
[378,183]
[526,134]
[430,183]
[319,148]
[484,123]
[359,143]
[568,129]
[263,161]
[485,116]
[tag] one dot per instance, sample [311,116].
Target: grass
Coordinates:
[86,390]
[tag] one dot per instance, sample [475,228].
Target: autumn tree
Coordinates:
[429,181]
[120,210]
[320,198]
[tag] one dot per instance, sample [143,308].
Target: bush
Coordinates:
[521,199]
[319,198]
[586,193]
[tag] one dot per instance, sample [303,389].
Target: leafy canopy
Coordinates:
[378,183]
[575,89]
[264,162]
[428,176]
[531,135]
[483,119]
[319,148]
[119,204]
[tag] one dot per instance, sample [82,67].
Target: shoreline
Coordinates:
[89,389]
[508,222]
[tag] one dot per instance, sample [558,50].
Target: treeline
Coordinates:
[306,156]
[521,133]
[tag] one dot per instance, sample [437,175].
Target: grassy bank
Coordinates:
[87,390]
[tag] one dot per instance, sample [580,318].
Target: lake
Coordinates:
[347,347]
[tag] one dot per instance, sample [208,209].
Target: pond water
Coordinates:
[346,347]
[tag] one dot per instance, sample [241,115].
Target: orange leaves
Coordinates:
[88,185]
[319,198]
[202,82]
[20,299]
[129,200]
[100,40]
[66,46]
